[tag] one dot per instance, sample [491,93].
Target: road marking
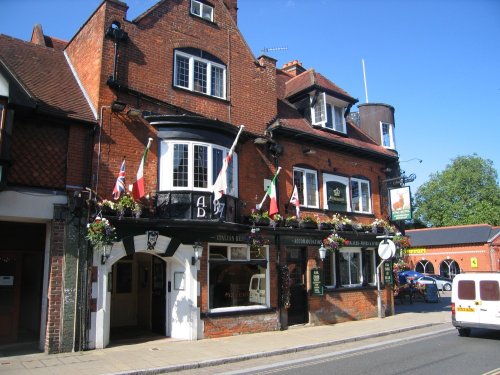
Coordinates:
[493,372]
[340,354]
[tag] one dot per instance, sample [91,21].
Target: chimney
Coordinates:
[294,68]
[37,36]
[232,6]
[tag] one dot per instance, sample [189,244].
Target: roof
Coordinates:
[465,234]
[44,74]
[310,80]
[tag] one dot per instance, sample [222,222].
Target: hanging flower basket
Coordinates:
[334,242]
[401,242]
[255,240]
[100,232]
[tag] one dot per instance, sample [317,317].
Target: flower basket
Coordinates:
[401,242]
[260,219]
[308,222]
[292,222]
[334,242]
[325,226]
[255,240]
[100,232]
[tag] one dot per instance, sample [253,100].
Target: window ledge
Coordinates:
[348,289]
[200,94]
[254,311]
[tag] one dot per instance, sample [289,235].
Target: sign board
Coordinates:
[473,262]
[388,275]
[400,203]
[316,282]
[386,249]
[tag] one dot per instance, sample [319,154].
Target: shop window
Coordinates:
[361,198]
[238,278]
[336,196]
[350,267]
[200,74]
[195,166]
[307,186]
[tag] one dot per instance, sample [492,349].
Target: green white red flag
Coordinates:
[271,192]
[138,187]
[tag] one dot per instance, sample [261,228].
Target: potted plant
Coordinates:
[125,205]
[379,225]
[308,222]
[255,240]
[324,225]
[334,242]
[137,210]
[401,242]
[107,207]
[292,222]
[100,232]
[260,218]
[346,223]
[276,220]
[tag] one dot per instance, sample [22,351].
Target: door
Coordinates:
[10,296]
[489,294]
[296,262]
[158,296]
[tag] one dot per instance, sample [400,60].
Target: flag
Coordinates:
[271,191]
[120,182]
[220,185]
[294,199]
[138,188]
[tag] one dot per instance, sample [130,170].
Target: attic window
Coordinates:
[202,10]
[328,113]
[387,134]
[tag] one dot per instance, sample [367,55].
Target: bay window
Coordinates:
[188,165]
[307,186]
[238,277]
[199,71]
[360,193]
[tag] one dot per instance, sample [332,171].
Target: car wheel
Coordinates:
[464,332]
[447,287]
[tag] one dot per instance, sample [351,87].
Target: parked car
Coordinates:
[441,282]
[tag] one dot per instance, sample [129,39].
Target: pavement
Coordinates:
[168,355]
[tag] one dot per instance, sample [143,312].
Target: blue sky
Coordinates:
[436,61]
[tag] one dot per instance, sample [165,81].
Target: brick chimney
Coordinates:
[294,68]
[232,6]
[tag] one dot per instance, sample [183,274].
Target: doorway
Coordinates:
[138,298]
[296,262]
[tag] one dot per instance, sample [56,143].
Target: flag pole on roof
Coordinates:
[219,187]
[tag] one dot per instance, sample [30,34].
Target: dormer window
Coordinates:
[328,113]
[387,135]
[202,10]
[200,74]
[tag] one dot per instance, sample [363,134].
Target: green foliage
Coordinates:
[466,192]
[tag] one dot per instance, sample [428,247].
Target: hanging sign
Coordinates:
[316,282]
[400,203]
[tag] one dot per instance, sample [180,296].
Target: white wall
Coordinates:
[4,86]
[29,205]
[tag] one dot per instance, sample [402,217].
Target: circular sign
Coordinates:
[386,249]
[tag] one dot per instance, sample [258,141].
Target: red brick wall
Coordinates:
[241,324]
[78,157]
[55,289]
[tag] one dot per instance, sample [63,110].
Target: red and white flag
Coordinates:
[220,185]
[294,199]
[138,188]
[120,182]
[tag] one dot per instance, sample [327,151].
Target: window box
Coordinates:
[292,222]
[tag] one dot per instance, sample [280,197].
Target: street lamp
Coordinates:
[198,252]
[322,252]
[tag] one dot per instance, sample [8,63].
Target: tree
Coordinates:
[466,192]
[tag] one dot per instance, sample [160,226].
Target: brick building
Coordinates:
[448,251]
[182,75]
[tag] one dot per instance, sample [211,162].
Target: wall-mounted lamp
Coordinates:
[106,252]
[134,114]
[118,106]
[198,252]
[261,141]
[309,151]
[322,252]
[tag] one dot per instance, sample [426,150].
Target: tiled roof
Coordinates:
[45,75]
[290,118]
[309,80]
[465,234]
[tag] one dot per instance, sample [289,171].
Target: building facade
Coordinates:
[179,81]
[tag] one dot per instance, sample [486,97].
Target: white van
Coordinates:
[257,289]
[475,301]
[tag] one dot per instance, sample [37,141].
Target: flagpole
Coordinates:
[265,196]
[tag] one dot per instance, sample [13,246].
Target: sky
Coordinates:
[437,62]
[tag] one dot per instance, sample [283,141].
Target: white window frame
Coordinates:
[166,168]
[356,250]
[323,121]
[392,142]
[304,202]
[360,182]
[191,83]
[268,288]
[203,8]
[334,178]
[333,271]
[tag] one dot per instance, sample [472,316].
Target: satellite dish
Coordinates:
[386,249]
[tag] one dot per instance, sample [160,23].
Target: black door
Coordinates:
[296,261]
[158,300]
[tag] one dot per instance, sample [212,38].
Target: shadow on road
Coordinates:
[419,305]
